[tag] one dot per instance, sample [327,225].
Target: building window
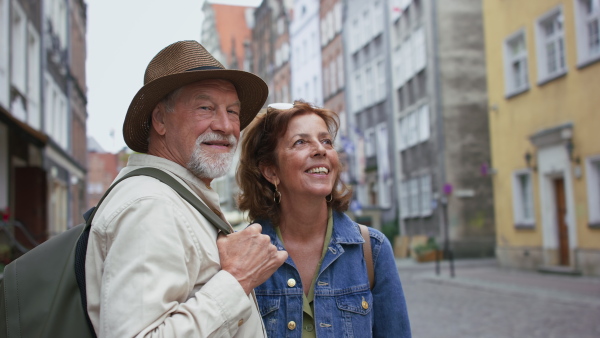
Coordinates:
[551,46]
[4,52]
[397,67]
[419,52]
[358,102]
[383,166]
[19,48]
[414,128]
[330,26]
[587,13]
[423,123]
[426,195]
[338,17]
[523,199]
[323,31]
[340,70]
[332,77]
[415,197]
[370,142]
[326,80]
[381,79]
[370,79]
[413,200]
[34,76]
[401,99]
[366,31]
[421,84]
[593,189]
[515,64]
[378,20]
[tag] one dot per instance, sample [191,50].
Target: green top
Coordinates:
[308,318]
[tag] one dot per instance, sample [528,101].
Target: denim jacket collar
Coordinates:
[344,232]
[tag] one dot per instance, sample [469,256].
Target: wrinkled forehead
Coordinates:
[219,84]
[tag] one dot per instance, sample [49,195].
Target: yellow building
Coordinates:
[543,66]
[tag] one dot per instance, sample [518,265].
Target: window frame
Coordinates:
[370,142]
[5,25]
[425,195]
[510,87]
[593,190]
[519,218]
[18,44]
[544,75]
[584,55]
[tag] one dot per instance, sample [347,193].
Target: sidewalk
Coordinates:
[485,274]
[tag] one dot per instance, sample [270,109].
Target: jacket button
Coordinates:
[292,325]
[291,282]
[240,322]
[365,305]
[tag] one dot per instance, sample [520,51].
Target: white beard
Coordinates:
[205,164]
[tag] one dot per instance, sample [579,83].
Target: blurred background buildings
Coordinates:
[42,115]
[470,121]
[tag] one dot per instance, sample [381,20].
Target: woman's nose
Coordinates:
[320,149]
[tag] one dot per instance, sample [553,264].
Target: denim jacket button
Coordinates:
[365,305]
[292,325]
[291,282]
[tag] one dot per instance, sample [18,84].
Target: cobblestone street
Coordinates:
[484,301]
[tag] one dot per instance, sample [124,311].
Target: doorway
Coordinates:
[561,215]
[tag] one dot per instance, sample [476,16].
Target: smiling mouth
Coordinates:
[318,170]
[220,144]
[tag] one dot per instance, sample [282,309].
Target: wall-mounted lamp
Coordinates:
[570,149]
[528,161]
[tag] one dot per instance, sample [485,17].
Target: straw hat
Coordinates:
[177,65]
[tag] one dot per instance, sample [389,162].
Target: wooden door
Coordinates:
[561,213]
[30,203]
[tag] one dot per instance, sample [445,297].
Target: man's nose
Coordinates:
[225,122]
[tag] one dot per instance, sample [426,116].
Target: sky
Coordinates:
[122,38]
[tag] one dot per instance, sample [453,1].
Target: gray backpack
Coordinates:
[43,292]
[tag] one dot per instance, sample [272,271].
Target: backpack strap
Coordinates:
[368,253]
[82,242]
[185,193]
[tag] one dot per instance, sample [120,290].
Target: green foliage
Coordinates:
[431,245]
[390,230]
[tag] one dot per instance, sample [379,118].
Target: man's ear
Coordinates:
[269,173]
[158,122]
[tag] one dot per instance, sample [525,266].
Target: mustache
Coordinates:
[210,136]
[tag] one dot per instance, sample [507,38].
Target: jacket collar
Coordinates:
[345,231]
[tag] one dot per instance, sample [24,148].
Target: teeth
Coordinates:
[319,170]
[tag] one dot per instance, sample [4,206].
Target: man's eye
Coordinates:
[233,112]
[205,108]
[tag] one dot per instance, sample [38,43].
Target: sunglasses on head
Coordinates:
[281,105]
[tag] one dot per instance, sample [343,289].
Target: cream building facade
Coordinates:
[543,66]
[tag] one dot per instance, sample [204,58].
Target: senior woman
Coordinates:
[289,175]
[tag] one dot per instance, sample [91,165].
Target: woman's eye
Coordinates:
[327,141]
[300,141]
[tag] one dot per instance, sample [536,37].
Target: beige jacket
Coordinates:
[152,264]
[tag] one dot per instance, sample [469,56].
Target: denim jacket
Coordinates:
[344,304]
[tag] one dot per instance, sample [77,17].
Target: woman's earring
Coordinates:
[330,198]
[276,196]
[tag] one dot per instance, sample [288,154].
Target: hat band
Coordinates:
[204,68]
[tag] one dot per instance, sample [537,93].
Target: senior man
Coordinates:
[155,267]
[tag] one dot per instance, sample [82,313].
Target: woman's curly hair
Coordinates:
[258,145]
